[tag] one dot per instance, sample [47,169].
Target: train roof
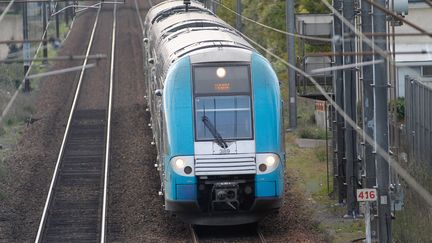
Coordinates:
[174,33]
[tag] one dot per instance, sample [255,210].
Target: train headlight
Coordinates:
[267,163]
[270,160]
[183,165]
[179,163]
[221,72]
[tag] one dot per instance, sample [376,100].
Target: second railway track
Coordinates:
[75,207]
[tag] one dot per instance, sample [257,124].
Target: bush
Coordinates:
[398,107]
[311,132]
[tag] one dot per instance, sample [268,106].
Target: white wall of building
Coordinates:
[420,14]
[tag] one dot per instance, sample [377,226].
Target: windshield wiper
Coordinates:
[219,140]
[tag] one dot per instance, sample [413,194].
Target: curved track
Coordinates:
[76,203]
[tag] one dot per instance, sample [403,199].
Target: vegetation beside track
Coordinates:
[308,165]
[21,112]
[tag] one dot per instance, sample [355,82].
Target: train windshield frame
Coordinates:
[222,102]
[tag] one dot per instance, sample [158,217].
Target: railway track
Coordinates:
[238,233]
[75,208]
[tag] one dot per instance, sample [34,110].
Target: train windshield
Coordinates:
[229,115]
[222,103]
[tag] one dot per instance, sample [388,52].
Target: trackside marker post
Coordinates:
[367,196]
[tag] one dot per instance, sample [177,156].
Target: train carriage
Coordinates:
[216,115]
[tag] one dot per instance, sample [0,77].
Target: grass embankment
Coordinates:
[309,167]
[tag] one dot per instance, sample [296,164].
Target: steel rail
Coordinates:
[139,17]
[260,235]
[108,132]
[56,169]
[194,234]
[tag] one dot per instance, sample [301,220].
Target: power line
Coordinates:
[426,195]
[380,51]
[274,29]
[6,10]
[385,10]
[346,66]
[392,163]
[15,95]
[428,2]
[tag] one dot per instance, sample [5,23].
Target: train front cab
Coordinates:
[224,156]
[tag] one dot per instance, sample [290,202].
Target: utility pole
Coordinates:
[238,17]
[26,47]
[339,98]
[57,21]
[66,13]
[45,33]
[350,109]
[368,116]
[381,127]
[292,91]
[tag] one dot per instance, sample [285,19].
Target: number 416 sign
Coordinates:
[366,195]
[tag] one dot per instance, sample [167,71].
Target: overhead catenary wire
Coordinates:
[15,95]
[6,10]
[426,195]
[61,71]
[392,163]
[57,58]
[385,10]
[428,2]
[368,41]
[272,28]
[346,66]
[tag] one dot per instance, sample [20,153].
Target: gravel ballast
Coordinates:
[135,210]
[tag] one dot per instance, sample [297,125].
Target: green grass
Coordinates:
[310,166]
[311,132]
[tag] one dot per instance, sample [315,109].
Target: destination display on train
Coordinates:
[221,79]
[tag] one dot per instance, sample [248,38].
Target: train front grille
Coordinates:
[225,164]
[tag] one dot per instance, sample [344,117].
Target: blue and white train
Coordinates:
[216,115]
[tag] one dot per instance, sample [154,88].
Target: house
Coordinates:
[418,62]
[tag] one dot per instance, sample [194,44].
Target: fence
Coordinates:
[413,140]
[418,103]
